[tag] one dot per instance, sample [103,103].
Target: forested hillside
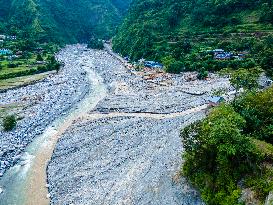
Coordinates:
[182,29]
[61,20]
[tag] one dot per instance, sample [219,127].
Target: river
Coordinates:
[119,144]
[25,183]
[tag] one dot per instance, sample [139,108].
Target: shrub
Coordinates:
[246,79]
[95,44]
[175,67]
[257,110]
[39,57]
[9,123]
[267,61]
[202,74]
[53,64]
[12,65]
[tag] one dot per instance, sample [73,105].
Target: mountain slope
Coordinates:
[63,20]
[152,28]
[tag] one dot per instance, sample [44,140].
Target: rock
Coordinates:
[48,196]
[248,197]
[269,199]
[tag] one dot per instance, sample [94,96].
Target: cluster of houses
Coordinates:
[221,54]
[150,64]
[10,54]
[5,37]
[147,64]
[4,51]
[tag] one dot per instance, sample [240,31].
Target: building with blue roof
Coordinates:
[4,51]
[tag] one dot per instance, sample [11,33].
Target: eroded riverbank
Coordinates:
[25,183]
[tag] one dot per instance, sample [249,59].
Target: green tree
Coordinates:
[245,78]
[202,74]
[167,61]
[175,67]
[39,57]
[9,123]
[95,44]
[218,154]
[267,61]
[257,110]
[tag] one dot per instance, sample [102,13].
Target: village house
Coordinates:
[19,53]
[153,64]
[223,56]
[2,37]
[218,51]
[11,37]
[215,100]
[4,51]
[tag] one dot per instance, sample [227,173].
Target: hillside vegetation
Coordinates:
[61,20]
[181,32]
[230,152]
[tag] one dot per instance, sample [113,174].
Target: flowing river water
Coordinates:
[25,183]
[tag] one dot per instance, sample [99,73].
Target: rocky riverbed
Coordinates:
[38,105]
[128,150]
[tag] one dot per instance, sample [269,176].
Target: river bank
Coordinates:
[38,105]
[128,150]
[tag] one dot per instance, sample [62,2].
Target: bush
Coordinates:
[9,123]
[267,61]
[257,110]
[39,57]
[175,67]
[202,74]
[95,44]
[53,64]
[246,79]
[12,65]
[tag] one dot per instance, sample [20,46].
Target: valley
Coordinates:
[111,129]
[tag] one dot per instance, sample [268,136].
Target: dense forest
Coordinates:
[178,33]
[61,20]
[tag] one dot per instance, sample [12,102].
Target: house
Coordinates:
[218,51]
[5,51]
[215,100]
[11,57]
[2,37]
[39,50]
[126,58]
[11,37]
[40,62]
[223,56]
[241,55]
[153,64]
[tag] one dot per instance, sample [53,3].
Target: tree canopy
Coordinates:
[62,20]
